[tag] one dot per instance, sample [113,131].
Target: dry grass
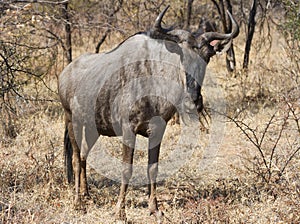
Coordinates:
[33,188]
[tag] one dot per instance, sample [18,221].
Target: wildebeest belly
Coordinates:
[112,117]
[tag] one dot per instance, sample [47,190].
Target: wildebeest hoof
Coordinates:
[77,204]
[81,208]
[158,215]
[121,216]
[85,196]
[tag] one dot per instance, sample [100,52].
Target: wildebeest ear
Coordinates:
[221,46]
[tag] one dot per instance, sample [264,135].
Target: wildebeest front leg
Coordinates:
[156,130]
[83,180]
[128,151]
[90,136]
[152,171]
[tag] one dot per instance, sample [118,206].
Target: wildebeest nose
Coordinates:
[199,108]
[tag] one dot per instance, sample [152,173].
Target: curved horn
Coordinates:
[210,36]
[235,27]
[157,24]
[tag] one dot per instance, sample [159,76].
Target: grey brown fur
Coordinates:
[127,92]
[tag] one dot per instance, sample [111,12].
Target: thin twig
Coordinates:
[275,146]
[266,128]
[289,159]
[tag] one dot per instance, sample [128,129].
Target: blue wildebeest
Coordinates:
[130,90]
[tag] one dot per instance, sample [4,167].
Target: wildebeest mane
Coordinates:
[152,34]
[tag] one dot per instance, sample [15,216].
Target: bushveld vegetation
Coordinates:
[254,175]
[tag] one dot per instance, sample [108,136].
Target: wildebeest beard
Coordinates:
[194,90]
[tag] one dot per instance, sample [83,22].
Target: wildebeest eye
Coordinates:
[192,85]
[190,81]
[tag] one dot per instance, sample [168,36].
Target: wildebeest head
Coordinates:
[205,45]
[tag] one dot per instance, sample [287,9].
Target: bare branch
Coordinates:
[295,117]
[275,145]
[102,41]
[254,140]
[289,160]
[266,128]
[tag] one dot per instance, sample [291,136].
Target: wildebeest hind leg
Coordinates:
[127,153]
[76,163]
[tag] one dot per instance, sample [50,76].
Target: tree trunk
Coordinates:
[251,28]
[67,32]
[227,26]
[188,14]
[230,55]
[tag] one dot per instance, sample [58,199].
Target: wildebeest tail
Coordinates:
[68,154]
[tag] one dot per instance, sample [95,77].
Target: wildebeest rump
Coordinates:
[134,89]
